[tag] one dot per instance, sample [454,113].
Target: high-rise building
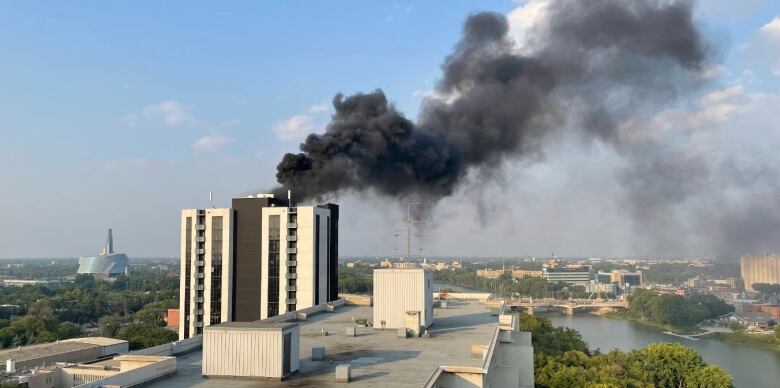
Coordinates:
[272,258]
[205,295]
[760,269]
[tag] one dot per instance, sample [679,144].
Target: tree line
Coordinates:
[562,360]
[676,310]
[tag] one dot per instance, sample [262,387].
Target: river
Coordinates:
[749,367]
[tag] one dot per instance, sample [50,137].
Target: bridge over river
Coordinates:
[566,306]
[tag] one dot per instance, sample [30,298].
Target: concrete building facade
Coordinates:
[760,269]
[258,259]
[205,295]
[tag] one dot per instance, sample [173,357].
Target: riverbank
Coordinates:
[674,330]
[759,341]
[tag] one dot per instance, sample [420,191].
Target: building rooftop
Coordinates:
[43,350]
[263,326]
[378,358]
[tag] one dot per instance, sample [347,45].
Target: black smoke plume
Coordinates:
[589,66]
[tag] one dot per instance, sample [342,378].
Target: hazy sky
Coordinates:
[119,115]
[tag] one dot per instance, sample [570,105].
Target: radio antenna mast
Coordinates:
[211,200]
[409,223]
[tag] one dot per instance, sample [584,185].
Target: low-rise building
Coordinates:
[521,273]
[490,273]
[403,298]
[71,350]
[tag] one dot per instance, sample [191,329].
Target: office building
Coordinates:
[621,277]
[578,276]
[760,269]
[205,295]
[107,264]
[258,259]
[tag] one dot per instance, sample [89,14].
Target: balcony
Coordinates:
[293,210]
[290,288]
[292,301]
[200,226]
[198,324]
[198,300]
[200,263]
[292,225]
[292,276]
[200,251]
[199,312]
[200,239]
[292,263]
[200,275]
[199,288]
[292,250]
[292,238]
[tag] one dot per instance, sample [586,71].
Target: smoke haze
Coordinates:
[595,71]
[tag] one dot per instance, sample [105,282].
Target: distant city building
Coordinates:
[34,282]
[490,273]
[258,259]
[521,273]
[405,265]
[386,263]
[760,269]
[621,277]
[107,264]
[578,276]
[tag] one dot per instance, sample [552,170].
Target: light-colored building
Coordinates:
[405,265]
[490,273]
[386,263]
[578,276]
[760,269]
[251,350]
[107,264]
[521,273]
[71,350]
[402,295]
[205,293]
[258,259]
[294,259]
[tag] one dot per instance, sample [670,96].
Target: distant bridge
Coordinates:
[568,306]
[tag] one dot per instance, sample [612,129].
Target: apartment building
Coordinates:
[258,259]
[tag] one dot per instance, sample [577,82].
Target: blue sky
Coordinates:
[120,114]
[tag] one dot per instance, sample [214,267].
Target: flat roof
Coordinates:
[43,350]
[260,326]
[378,358]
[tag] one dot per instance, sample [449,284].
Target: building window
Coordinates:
[274,231]
[217,228]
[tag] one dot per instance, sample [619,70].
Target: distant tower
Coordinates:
[109,248]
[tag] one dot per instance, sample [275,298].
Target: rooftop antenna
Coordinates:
[211,200]
[409,222]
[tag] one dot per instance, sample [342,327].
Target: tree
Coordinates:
[667,364]
[710,376]
[109,325]
[67,330]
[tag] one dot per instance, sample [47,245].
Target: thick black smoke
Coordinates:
[592,64]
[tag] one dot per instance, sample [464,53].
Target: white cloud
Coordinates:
[171,113]
[319,108]
[211,143]
[295,127]
[762,51]
[300,125]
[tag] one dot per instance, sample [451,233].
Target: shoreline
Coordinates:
[734,338]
